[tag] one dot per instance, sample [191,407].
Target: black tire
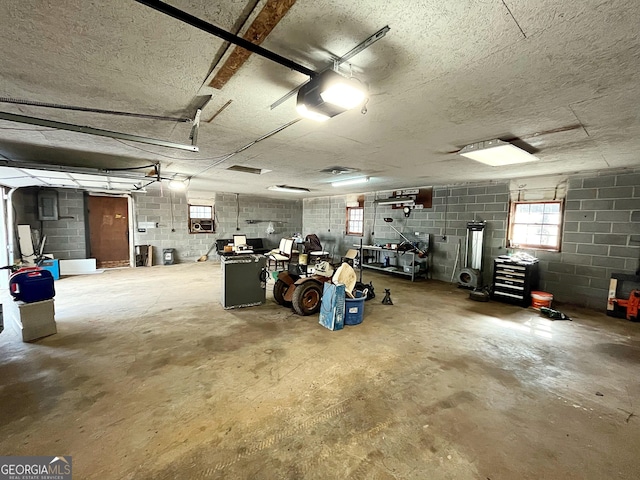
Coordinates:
[307,298]
[279,289]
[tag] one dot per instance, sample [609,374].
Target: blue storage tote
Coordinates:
[53,266]
[354,309]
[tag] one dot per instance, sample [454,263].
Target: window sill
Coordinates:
[534,247]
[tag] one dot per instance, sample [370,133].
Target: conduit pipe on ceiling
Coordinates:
[41,122]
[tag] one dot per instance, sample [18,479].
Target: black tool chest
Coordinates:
[514,279]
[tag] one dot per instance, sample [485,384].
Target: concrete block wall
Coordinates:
[601,231]
[601,236]
[25,207]
[325,217]
[169,209]
[442,227]
[254,214]
[66,238]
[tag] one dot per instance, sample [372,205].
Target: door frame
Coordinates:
[130,222]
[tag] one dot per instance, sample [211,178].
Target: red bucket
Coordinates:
[541,299]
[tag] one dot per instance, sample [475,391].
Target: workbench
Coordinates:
[404,262]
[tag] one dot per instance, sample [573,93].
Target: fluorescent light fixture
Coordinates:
[496,153]
[311,114]
[329,94]
[396,201]
[287,188]
[351,181]
[346,93]
[177,185]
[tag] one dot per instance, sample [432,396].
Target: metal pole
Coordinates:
[17,101]
[93,131]
[405,238]
[223,34]
[361,260]
[455,264]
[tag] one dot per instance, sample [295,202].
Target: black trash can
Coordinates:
[168,256]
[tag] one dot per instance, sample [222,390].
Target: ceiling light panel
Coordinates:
[288,188]
[243,169]
[350,181]
[497,153]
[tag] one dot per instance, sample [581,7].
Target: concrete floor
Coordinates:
[149,378]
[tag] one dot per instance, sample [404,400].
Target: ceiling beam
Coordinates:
[263,24]
[229,37]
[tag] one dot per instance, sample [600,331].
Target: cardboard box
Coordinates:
[32,320]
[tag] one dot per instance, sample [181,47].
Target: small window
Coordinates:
[355,221]
[201,219]
[535,225]
[200,211]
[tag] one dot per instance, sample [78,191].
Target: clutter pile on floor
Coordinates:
[553,314]
[343,299]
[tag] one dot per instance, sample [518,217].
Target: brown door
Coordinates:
[109,231]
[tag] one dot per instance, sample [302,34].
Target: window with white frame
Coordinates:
[355,221]
[201,219]
[535,225]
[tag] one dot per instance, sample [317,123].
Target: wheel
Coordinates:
[307,298]
[279,289]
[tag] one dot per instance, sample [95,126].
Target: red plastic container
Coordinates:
[541,299]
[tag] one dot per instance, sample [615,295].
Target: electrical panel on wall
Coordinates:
[47,205]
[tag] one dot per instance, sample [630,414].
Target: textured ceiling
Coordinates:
[447,74]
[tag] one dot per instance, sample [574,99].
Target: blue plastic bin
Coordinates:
[53,266]
[354,309]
